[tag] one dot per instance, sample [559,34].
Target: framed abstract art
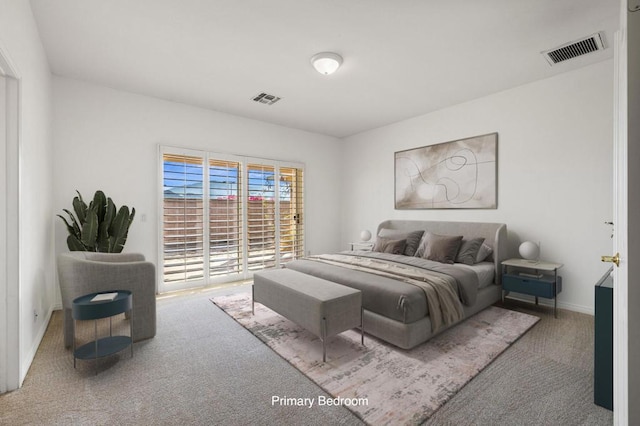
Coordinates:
[460,174]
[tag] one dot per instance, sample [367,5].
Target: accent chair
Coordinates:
[81,273]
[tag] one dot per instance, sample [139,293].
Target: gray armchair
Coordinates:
[82,273]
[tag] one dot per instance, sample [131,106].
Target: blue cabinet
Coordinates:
[535,278]
[547,287]
[603,343]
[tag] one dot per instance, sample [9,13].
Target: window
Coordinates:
[183,215]
[253,210]
[225,219]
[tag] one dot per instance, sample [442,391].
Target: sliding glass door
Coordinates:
[240,214]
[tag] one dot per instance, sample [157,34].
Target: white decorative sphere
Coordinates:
[365,235]
[529,250]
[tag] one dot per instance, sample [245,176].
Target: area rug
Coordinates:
[379,382]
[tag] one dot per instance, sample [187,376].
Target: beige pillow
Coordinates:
[441,248]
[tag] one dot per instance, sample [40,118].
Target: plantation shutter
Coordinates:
[291,219]
[183,214]
[225,218]
[261,217]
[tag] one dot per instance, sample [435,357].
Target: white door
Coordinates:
[620,273]
[627,223]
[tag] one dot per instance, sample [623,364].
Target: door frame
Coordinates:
[620,219]
[9,224]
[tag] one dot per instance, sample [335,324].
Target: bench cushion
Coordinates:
[306,300]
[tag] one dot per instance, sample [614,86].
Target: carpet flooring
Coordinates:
[385,385]
[204,368]
[545,378]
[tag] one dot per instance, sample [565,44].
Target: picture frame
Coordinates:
[459,174]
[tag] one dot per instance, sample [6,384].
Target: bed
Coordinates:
[413,286]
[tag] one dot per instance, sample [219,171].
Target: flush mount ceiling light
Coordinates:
[326,62]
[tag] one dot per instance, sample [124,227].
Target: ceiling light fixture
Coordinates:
[326,62]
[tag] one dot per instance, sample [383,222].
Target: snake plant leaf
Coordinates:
[90,230]
[74,244]
[99,204]
[118,230]
[69,227]
[103,230]
[133,214]
[75,224]
[80,207]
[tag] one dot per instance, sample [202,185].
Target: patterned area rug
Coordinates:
[379,382]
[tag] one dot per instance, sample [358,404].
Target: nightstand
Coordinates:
[361,245]
[535,278]
[96,306]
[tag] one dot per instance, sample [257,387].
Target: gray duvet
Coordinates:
[392,298]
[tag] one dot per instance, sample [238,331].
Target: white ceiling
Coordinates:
[402,58]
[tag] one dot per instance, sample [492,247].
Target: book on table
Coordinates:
[530,275]
[104,297]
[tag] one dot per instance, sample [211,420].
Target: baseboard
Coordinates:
[29,357]
[561,305]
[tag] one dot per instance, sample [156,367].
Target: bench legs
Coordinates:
[324,334]
[362,326]
[323,327]
[324,338]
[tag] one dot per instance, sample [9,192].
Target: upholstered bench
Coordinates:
[322,307]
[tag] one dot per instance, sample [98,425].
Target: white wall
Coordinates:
[21,42]
[107,139]
[554,170]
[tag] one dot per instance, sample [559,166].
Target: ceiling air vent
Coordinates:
[265,98]
[576,48]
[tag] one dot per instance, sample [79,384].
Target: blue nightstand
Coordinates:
[535,278]
[90,307]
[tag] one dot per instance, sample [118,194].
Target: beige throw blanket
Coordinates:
[444,303]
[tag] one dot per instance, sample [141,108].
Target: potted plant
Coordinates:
[99,226]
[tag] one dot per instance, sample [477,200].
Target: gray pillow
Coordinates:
[484,252]
[413,238]
[384,245]
[413,241]
[441,248]
[468,251]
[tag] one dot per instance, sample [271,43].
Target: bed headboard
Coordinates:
[494,234]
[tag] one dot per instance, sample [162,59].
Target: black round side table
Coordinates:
[95,306]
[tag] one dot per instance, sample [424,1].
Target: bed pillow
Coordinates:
[484,252]
[421,245]
[412,238]
[441,248]
[413,241]
[468,251]
[384,245]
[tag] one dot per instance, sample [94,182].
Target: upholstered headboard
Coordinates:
[494,234]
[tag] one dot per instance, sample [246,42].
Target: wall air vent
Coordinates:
[265,98]
[571,50]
